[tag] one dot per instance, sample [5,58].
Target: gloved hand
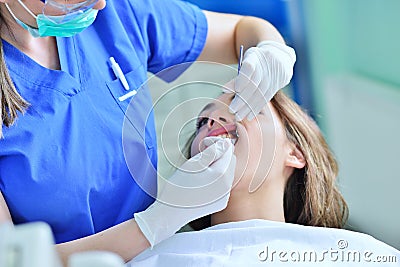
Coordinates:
[265,69]
[200,187]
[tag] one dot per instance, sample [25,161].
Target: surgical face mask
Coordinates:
[61,26]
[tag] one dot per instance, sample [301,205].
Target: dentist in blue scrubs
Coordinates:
[61,149]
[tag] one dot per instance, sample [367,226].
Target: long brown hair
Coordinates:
[311,195]
[10,100]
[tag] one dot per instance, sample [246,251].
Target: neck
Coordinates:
[42,50]
[265,203]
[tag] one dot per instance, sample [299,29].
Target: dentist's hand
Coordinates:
[265,69]
[200,187]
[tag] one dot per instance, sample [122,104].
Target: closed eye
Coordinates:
[201,121]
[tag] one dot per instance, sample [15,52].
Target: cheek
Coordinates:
[247,151]
[268,142]
[254,155]
[256,145]
[100,5]
[196,146]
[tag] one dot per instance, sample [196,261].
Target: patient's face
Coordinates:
[255,148]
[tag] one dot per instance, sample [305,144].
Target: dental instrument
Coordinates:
[240,59]
[235,133]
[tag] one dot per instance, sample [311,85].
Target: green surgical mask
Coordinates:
[53,25]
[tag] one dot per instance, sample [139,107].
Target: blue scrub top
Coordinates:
[63,161]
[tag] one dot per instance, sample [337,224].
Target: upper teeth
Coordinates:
[233,139]
[224,135]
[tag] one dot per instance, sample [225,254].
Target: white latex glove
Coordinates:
[200,187]
[265,69]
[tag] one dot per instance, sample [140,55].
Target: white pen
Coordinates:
[118,73]
[127,95]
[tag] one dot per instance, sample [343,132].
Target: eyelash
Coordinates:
[201,122]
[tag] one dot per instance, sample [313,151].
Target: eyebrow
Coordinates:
[208,106]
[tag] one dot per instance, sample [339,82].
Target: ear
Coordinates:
[295,157]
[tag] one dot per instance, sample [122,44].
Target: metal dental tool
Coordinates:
[234,141]
[240,58]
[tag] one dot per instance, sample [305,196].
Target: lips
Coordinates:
[227,131]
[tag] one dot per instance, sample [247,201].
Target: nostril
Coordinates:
[210,122]
[222,119]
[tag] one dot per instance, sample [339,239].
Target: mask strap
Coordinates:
[9,10]
[27,9]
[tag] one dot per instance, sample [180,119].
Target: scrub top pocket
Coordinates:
[138,127]
[138,109]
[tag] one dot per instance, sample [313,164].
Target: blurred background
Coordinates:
[347,76]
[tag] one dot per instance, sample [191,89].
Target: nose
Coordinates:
[219,119]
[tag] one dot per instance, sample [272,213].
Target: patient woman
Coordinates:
[285,170]
[285,186]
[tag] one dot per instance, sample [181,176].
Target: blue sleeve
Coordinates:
[175,32]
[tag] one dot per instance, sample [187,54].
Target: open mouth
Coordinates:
[226,131]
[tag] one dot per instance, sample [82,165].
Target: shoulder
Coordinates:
[141,7]
[149,14]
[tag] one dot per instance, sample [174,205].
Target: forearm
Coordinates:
[227,32]
[250,31]
[125,239]
[5,216]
